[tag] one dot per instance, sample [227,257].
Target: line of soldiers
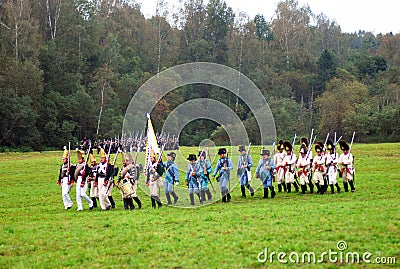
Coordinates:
[99,177]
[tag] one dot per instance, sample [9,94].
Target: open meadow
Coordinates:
[37,232]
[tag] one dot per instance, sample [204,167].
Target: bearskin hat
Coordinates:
[303,148]
[318,147]
[287,146]
[304,141]
[343,145]
[330,145]
[280,145]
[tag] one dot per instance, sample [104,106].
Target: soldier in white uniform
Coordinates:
[319,169]
[304,141]
[129,173]
[280,166]
[290,167]
[65,181]
[303,163]
[94,190]
[81,173]
[102,179]
[347,162]
[331,162]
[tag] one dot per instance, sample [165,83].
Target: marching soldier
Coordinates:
[65,180]
[244,164]
[304,141]
[171,177]
[319,169]
[303,163]
[206,169]
[347,162]
[331,162]
[224,166]
[280,166]
[94,190]
[154,181]
[81,173]
[129,173]
[264,172]
[290,167]
[193,178]
[103,175]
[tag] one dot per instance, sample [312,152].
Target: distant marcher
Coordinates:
[224,167]
[290,167]
[331,163]
[103,175]
[154,181]
[319,169]
[264,172]
[303,163]
[94,190]
[81,174]
[280,166]
[245,163]
[171,178]
[347,162]
[65,180]
[205,171]
[193,178]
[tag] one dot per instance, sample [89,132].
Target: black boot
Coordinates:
[303,189]
[318,188]
[332,189]
[337,187]
[111,201]
[289,188]
[273,193]
[353,189]
[311,188]
[126,206]
[191,196]
[158,201]
[130,203]
[243,191]
[94,202]
[209,196]
[346,186]
[322,189]
[175,197]
[202,197]
[250,189]
[198,196]
[265,193]
[284,186]
[228,197]
[279,188]
[153,202]
[296,186]
[139,203]
[168,198]
[223,197]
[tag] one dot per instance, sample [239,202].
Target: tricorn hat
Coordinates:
[265,152]
[65,153]
[330,145]
[242,148]
[221,151]
[304,141]
[343,145]
[172,154]
[287,146]
[202,153]
[192,157]
[303,148]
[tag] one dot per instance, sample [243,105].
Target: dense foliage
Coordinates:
[69,68]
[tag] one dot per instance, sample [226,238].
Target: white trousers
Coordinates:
[332,174]
[103,197]
[65,193]
[81,192]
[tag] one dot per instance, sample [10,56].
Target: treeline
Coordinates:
[68,69]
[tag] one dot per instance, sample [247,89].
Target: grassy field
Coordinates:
[37,232]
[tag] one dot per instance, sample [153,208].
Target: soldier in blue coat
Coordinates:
[245,162]
[193,178]
[264,172]
[171,177]
[224,167]
[205,170]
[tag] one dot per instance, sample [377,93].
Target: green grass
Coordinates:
[36,231]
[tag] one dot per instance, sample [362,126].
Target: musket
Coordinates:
[113,165]
[208,156]
[311,136]
[248,173]
[352,139]
[326,140]
[137,150]
[294,141]
[69,162]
